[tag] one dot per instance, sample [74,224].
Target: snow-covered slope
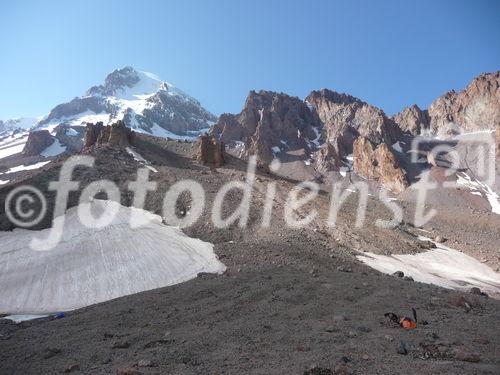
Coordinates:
[22,123]
[441,266]
[145,102]
[89,266]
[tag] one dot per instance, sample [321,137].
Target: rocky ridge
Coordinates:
[269,123]
[37,142]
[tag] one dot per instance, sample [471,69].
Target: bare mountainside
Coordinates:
[306,226]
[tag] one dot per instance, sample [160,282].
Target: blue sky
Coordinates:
[389,53]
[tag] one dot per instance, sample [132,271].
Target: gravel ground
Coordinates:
[291,302]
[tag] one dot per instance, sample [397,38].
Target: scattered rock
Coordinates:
[145,363]
[128,371]
[71,368]
[388,337]
[318,371]
[398,274]
[344,269]
[461,301]
[401,349]
[50,352]
[120,345]
[463,354]
[340,317]
[477,292]
[363,329]
[440,239]
[351,334]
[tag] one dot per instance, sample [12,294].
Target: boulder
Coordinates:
[37,142]
[380,164]
[210,151]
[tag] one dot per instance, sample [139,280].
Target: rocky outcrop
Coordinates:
[327,159]
[345,118]
[269,123]
[37,142]
[115,135]
[210,151]
[379,163]
[473,109]
[92,132]
[71,137]
[412,120]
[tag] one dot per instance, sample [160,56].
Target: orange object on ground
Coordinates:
[403,321]
[407,323]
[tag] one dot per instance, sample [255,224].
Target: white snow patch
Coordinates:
[343,171]
[317,132]
[90,266]
[397,147]
[24,318]
[158,131]
[473,184]
[443,266]
[54,149]
[275,150]
[140,159]
[13,144]
[71,132]
[3,182]
[20,168]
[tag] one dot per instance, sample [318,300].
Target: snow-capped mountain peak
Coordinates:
[144,101]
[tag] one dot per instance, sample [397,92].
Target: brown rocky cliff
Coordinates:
[37,142]
[116,135]
[412,120]
[267,119]
[475,108]
[346,117]
[380,164]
